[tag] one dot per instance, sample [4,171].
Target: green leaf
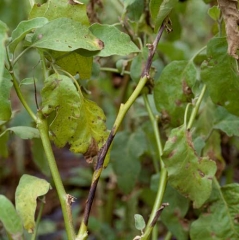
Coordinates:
[189,174]
[139,222]
[27,81]
[135,9]
[173,215]
[220,74]
[115,41]
[75,36]
[60,8]
[10,219]
[91,132]
[3,143]
[39,157]
[165,8]
[23,29]
[3,38]
[214,12]
[154,6]
[173,91]
[127,168]
[226,122]
[219,219]
[5,88]
[74,63]
[59,96]
[27,192]
[23,132]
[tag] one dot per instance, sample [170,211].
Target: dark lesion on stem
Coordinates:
[103,151]
[158,213]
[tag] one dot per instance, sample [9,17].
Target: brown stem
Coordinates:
[106,146]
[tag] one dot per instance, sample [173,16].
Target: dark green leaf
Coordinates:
[125,155]
[74,63]
[189,174]
[5,88]
[23,29]
[173,91]
[39,156]
[23,132]
[135,9]
[28,190]
[219,219]
[154,6]
[10,219]
[173,215]
[165,8]
[115,41]
[226,122]
[74,36]
[3,143]
[60,8]
[220,74]
[60,96]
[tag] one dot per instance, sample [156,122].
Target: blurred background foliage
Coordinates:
[127,186]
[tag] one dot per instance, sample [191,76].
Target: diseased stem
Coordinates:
[63,197]
[103,151]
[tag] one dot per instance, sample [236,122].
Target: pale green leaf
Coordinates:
[61,8]
[23,29]
[165,8]
[115,41]
[23,132]
[220,74]
[10,219]
[219,219]
[214,12]
[139,222]
[172,91]
[75,36]
[189,174]
[91,132]
[5,88]
[74,63]
[27,81]
[27,192]
[59,96]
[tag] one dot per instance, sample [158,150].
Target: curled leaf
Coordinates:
[231,17]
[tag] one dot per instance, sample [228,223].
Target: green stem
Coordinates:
[195,109]
[125,107]
[20,96]
[107,69]
[154,122]
[199,51]
[157,203]
[20,55]
[38,220]
[168,236]
[63,197]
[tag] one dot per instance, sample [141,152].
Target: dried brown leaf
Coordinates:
[231,17]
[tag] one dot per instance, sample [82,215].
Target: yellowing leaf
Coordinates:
[28,190]
[60,96]
[91,132]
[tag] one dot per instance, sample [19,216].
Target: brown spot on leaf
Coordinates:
[172,154]
[202,174]
[178,103]
[165,117]
[186,89]
[231,17]
[100,43]
[92,151]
